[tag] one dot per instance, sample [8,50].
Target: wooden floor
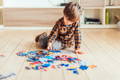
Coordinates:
[101,45]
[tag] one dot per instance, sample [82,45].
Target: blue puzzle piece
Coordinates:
[66,65]
[75,72]
[57,51]
[83,67]
[71,69]
[45,65]
[49,57]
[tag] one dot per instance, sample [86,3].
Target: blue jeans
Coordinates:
[43,43]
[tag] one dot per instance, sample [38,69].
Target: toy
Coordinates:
[65,65]
[44,60]
[92,66]
[28,68]
[75,72]
[45,65]
[57,51]
[21,54]
[38,62]
[83,67]
[72,69]
[53,66]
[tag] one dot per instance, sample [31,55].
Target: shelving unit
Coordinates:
[97,9]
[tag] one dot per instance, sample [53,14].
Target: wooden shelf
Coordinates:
[93,7]
[112,7]
[110,24]
[98,26]
[92,24]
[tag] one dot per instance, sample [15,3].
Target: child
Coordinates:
[65,32]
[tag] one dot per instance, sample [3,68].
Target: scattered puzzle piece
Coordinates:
[92,66]
[83,67]
[28,68]
[45,60]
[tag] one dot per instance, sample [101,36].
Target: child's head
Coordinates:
[72,12]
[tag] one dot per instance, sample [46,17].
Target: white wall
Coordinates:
[31,3]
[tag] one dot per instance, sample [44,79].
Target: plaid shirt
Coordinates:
[69,35]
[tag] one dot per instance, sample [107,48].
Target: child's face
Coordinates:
[67,22]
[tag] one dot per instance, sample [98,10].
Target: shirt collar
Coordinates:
[72,25]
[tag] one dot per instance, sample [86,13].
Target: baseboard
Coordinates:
[26,28]
[43,28]
[99,26]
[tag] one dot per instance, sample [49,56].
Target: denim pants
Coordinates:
[43,43]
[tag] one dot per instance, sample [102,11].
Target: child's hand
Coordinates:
[78,51]
[49,47]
